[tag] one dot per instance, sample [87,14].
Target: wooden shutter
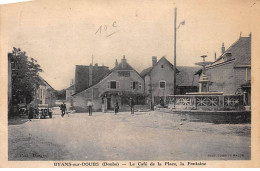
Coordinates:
[140,85]
[108,84]
[117,85]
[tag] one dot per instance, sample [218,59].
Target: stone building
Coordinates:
[231,72]
[69,92]
[45,93]
[121,83]
[159,79]
[86,76]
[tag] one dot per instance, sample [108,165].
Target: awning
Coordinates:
[122,93]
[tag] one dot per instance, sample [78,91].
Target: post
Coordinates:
[174,79]
[174,60]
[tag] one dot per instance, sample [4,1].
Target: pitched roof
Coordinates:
[44,82]
[186,76]
[72,87]
[148,70]
[120,67]
[82,76]
[240,51]
[127,67]
[101,77]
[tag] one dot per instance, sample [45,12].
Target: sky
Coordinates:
[60,34]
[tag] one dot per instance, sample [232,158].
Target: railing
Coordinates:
[205,102]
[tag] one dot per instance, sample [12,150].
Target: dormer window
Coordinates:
[228,56]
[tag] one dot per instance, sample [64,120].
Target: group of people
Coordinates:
[90,104]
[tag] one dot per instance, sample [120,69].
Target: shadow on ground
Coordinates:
[17,120]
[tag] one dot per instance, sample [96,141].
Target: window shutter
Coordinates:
[140,85]
[108,84]
[131,84]
[117,85]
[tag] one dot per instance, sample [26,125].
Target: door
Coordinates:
[109,103]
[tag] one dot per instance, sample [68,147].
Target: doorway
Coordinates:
[109,103]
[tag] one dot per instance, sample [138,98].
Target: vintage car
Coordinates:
[22,109]
[43,111]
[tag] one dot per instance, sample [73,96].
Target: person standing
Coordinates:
[132,105]
[161,102]
[116,106]
[90,106]
[63,108]
[30,112]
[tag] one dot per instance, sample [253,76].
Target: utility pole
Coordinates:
[174,66]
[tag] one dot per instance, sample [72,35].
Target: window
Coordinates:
[162,66]
[134,85]
[162,84]
[113,85]
[124,73]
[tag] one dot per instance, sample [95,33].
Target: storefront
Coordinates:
[109,98]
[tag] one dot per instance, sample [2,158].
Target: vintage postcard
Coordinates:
[130,83]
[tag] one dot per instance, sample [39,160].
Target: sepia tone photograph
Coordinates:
[141,83]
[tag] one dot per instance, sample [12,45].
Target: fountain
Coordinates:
[209,106]
[204,82]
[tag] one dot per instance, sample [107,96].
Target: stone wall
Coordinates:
[222,78]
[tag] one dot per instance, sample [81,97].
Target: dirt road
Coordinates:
[143,136]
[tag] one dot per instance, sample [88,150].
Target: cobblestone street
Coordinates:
[143,136]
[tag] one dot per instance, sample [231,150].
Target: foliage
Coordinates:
[60,95]
[25,79]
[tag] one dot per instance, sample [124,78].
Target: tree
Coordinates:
[61,94]
[24,76]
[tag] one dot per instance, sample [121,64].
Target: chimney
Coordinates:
[90,72]
[116,63]
[154,60]
[123,62]
[96,65]
[222,49]
[215,56]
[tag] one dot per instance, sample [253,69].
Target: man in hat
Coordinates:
[116,107]
[132,104]
[30,112]
[90,106]
[63,108]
